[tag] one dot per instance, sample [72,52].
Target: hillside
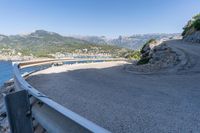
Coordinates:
[191,32]
[43,43]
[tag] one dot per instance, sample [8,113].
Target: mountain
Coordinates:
[134,42]
[45,43]
[42,43]
[93,39]
[137,41]
[2,37]
[40,37]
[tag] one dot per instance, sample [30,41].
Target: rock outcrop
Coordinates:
[156,55]
[193,37]
[191,32]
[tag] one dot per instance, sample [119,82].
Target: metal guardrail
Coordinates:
[53,117]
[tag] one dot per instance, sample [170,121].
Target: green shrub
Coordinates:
[143,61]
[135,55]
[144,57]
[197,24]
[132,55]
[194,23]
[146,44]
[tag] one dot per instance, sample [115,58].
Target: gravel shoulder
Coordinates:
[121,101]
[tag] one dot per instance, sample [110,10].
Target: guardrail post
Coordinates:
[18,111]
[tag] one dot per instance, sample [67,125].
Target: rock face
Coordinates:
[191,31]
[194,37]
[156,55]
[163,55]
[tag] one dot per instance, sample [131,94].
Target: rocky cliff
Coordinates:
[156,55]
[191,32]
[193,37]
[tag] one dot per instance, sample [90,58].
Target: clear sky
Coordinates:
[96,17]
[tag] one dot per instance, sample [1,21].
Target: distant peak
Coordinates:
[41,31]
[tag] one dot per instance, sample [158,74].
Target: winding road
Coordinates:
[124,102]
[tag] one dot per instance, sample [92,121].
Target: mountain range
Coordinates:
[41,42]
[134,42]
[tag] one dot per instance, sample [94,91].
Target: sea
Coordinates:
[6,70]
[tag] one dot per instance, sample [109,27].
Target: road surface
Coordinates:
[124,102]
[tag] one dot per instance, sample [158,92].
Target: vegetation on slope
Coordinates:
[43,44]
[144,59]
[147,45]
[192,25]
[141,55]
[132,55]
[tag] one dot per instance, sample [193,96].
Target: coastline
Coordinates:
[17,58]
[31,58]
[22,58]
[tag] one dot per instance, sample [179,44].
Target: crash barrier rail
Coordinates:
[31,111]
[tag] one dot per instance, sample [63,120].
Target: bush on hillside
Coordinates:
[146,44]
[144,52]
[143,61]
[132,55]
[192,25]
[136,55]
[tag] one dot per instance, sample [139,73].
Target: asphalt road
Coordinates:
[124,102]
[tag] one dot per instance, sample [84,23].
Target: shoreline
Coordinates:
[13,58]
[17,58]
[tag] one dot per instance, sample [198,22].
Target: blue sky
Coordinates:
[96,17]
